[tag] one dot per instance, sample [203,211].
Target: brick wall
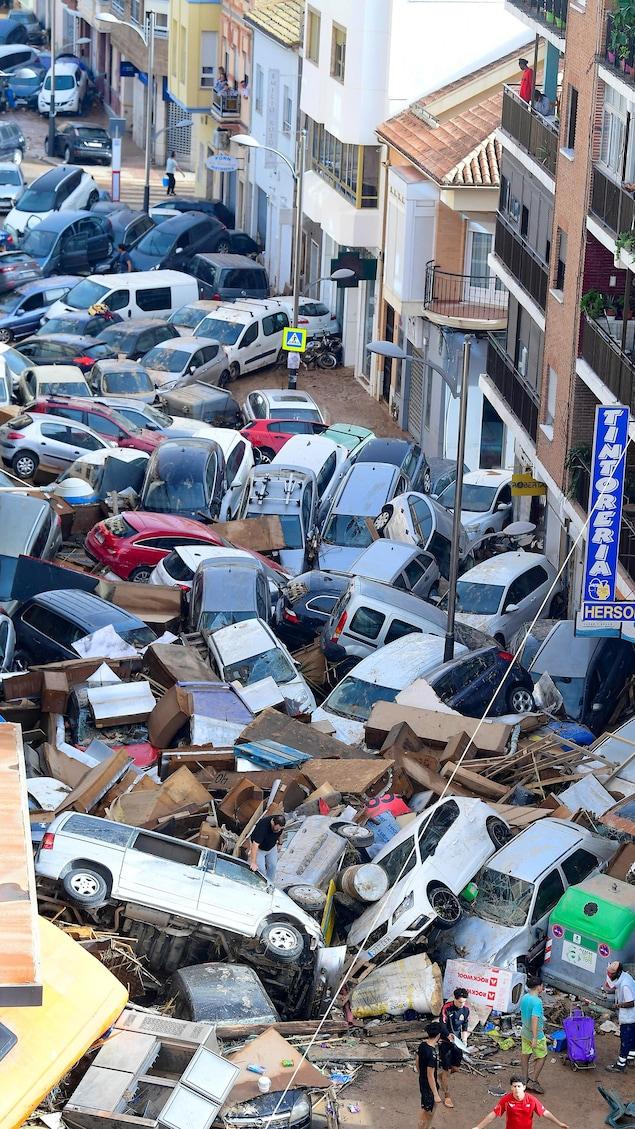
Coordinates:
[449,251]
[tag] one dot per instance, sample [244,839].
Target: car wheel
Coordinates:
[266,454]
[86,886]
[92,199]
[46,147]
[498,831]
[427,481]
[25,464]
[234,370]
[358,836]
[283,941]
[381,521]
[281,359]
[224,247]
[224,378]
[310,898]
[140,575]
[520,700]
[6,336]
[67,156]
[446,905]
[18,156]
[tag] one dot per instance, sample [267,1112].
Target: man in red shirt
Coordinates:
[519,1108]
[527,81]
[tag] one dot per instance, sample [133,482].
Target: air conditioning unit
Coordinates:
[221,139]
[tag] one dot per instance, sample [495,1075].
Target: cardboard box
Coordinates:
[157,605]
[167,663]
[435,728]
[241,803]
[169,715]
[55,691]
[210,837]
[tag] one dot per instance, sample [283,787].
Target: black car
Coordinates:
[128,227]
[209,207]
[80,324]
[47,625]
[66,349]
[243,244]
[34,30]
[78,144]
[469,683]
[134,339]
[185,477]
[403,453]
[307,602]
[12,142]
[172,244]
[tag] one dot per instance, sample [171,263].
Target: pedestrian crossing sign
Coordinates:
[294,340]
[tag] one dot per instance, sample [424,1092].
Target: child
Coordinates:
[426,1064]
[519,1108]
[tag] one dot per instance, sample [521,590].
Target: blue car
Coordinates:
[22,309]
[26,84]
[48,624]
[468,684]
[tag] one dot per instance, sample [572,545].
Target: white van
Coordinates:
[313,452]
[138,294]
[250,332]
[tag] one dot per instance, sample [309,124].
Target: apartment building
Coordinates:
[565,212]
[192,71]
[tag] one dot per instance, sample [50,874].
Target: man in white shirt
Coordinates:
[171,168]
[623,984]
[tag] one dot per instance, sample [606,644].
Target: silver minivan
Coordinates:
[228,587]
[359,498]
[29,527]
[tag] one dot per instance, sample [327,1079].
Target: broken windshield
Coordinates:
[502,898]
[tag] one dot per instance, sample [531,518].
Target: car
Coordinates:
[202,404]
[48,624]
[65,349]
[486,501]
[12,185]
[122,378]
[26,83]
[82,323]
[132,543]
[506,924]
[402,453]
[188,318]
[442,474]
[248,652]
[315,453]
[359,498]
[31,527]
[276,403]
[473,684]
[96,860]
[428,863]
[16,268]
[68,241]
[420,520]
[185,477]
[379,678]
[12,31]
[135,338]
[71,87]
[223,277]
[268,436]
[185,360]
[348,435]
[313,316]
[155,417]
[176,206]
[509,589]
[127,227]
[5,386]
[7,644]
[96,474]
[78,144]
[21,310]
[177,568]
[12,139]
[291,496]
[251,331]
[239,463]
[36,443]
[173,243]
[229,586]
[242,244]
[311,850]
[13,364]
[50,380]
[60,189]
[34,31]
[100,418]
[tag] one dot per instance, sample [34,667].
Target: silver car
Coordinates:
[310,855]
[184,360]
[32,443]
[12,185]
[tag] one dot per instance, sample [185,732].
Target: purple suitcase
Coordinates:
[580,1031]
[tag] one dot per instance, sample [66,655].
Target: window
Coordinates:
[249,335]
[172,850]
[338,52]
[135,11]
[400,860]
[398,629]
[161,25]
[578,866]
[274,323]
[428,401]
[353,170]
[552,393]
[550,891]
[159,298]
[615,150]
[208,57]
[313,28]
[322,604]
[326,473]
[104,426]
[260,81]
[413,572]
[562,259]
[434,829]
[367,622]
[287,110]
[118,300]
[234,461]
[572,115]
[58,432]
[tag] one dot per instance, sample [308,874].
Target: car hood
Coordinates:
[299,698]
[18,221]
[141,261]
[337,558]
[10,191]
[482,623]
[485,942]
[346,730]
[160,377]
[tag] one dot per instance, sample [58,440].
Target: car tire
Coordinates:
[25,464]
[427,481]
[6,336]
[519,699]
[266,454]
[357,836]
[46,146]
[18,156]
[309,898]
[68,156]
[382,519]
[498,831]
[92,199]
[85,886]
[224,378]
[446,905]
[234,370]
[140,575]
[283,941]
[223,247]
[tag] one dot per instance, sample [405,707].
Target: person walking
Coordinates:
[426,1064]
[454,1019]
[518,1108]
[123,261]
[623,984]
[265,844]
[533,1041]
[171,169]
[526,82]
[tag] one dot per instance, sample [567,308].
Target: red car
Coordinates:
[101,418]
[132,543]
[270,435]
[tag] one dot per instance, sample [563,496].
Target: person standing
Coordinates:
[519,1108]
[123,260]
[171,169]
[426,1064]
[265,844]
[623,984]
[527,81]
[533,1041]
[454,1022]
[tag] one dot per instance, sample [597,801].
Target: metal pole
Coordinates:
[448,652]
[297,238]
[51,130]
[149,109]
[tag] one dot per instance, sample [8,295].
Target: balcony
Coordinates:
[226,105]
[521,262]
[520,397]
[536,135]
[619,50]
[464,301]
[612,204]
[604,354]
[550,14]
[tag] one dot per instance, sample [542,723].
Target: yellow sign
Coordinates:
[328,917]
[294,340]
[526,484]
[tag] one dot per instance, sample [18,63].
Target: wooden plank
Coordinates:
[262,534]
[473,781]
[352,777]
[271,725]
[364,1052]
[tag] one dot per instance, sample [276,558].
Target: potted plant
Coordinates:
[622,25]
[592,304]
[610,50]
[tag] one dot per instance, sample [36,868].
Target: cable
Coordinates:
[447,785]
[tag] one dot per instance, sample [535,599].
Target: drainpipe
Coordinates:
[375,380]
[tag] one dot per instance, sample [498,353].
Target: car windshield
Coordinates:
[227,332]
[36,200]
[156,242]
[181,491]
[213,620]
[15,361]
[477,599]
[502,898]
[157,419]
[295,413]
[126,381]
[61,388]
[26,79]
[10,176]
[475,499]
[188,316]
[62,82]
[39,243]
[59,325]
[87,134]
[355,698]
[347,530]
[167,360]
[268,664]
[572,690]
[85,294]
[137,636]
[10,302]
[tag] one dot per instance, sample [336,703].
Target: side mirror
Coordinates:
[502,507]
[511,608]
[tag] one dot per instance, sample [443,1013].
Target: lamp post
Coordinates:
[51,125]
[339,275]
[448,652]
[147,38]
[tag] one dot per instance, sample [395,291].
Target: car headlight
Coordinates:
[404,906]
[300,1110]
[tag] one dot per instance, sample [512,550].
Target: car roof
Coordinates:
[59,221]
[21,510]
[69,339]
[228,260]
[76,603]
[310,452]
[141,278]
[537,847]
[135,325]
[194,447]
[241,640]
[191,343]
[365,480]
[403,661]
[188,219]
[53,177]
[494,477]
[398,600]
[385,557]
[59,373]
[385,451]
[78,403]
[282,396]
[146,523]
[122,454]
[49,283]
[504,567]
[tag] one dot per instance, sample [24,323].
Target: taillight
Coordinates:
[14,434]
[303,321]
[290,616]
[505,656]
[48,842]
[339,627]
[216,298]
[83,361]
[333,317]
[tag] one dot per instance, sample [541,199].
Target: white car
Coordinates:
[428,863]
[239,462]
[49,443]
[51,380]
[486,501]
[313,316]
[379,678]
[177,569]
[65,188]
[278,403]
[71,84]
[499,595]
[188,318]
[249,651]
[12,185]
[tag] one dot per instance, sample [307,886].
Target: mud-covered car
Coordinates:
[312,848]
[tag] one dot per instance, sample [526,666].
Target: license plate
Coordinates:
[578,955]
[92,145]
[99,537]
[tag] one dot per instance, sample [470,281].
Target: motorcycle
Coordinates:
[323,351]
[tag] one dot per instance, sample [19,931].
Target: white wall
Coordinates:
[410,228]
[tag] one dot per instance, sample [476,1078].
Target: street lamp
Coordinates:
[337,276]
[147,38]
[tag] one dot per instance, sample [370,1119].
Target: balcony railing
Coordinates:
[550,13]
[611,203]
[604,354]
[468,297]
[537,135]
[620,57]
[523,263]
[226,104]
[521,398]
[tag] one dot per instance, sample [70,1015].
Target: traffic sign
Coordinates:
[294,340]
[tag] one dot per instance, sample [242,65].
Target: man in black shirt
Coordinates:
[263,852]
[426,1067]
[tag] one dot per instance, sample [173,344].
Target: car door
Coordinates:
[105,427]
[232,895]
[165,873]
[98,243]
[45,634]
[74,251]
[549,890]
[56,448]
[29,314]
[212,362]
[523,599]
[503,498]
[237,472]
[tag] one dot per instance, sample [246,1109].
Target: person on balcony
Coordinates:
[221,84]
[542,105]
[527,81]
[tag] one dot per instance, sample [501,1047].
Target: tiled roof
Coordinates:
[282,19]
[459,152]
